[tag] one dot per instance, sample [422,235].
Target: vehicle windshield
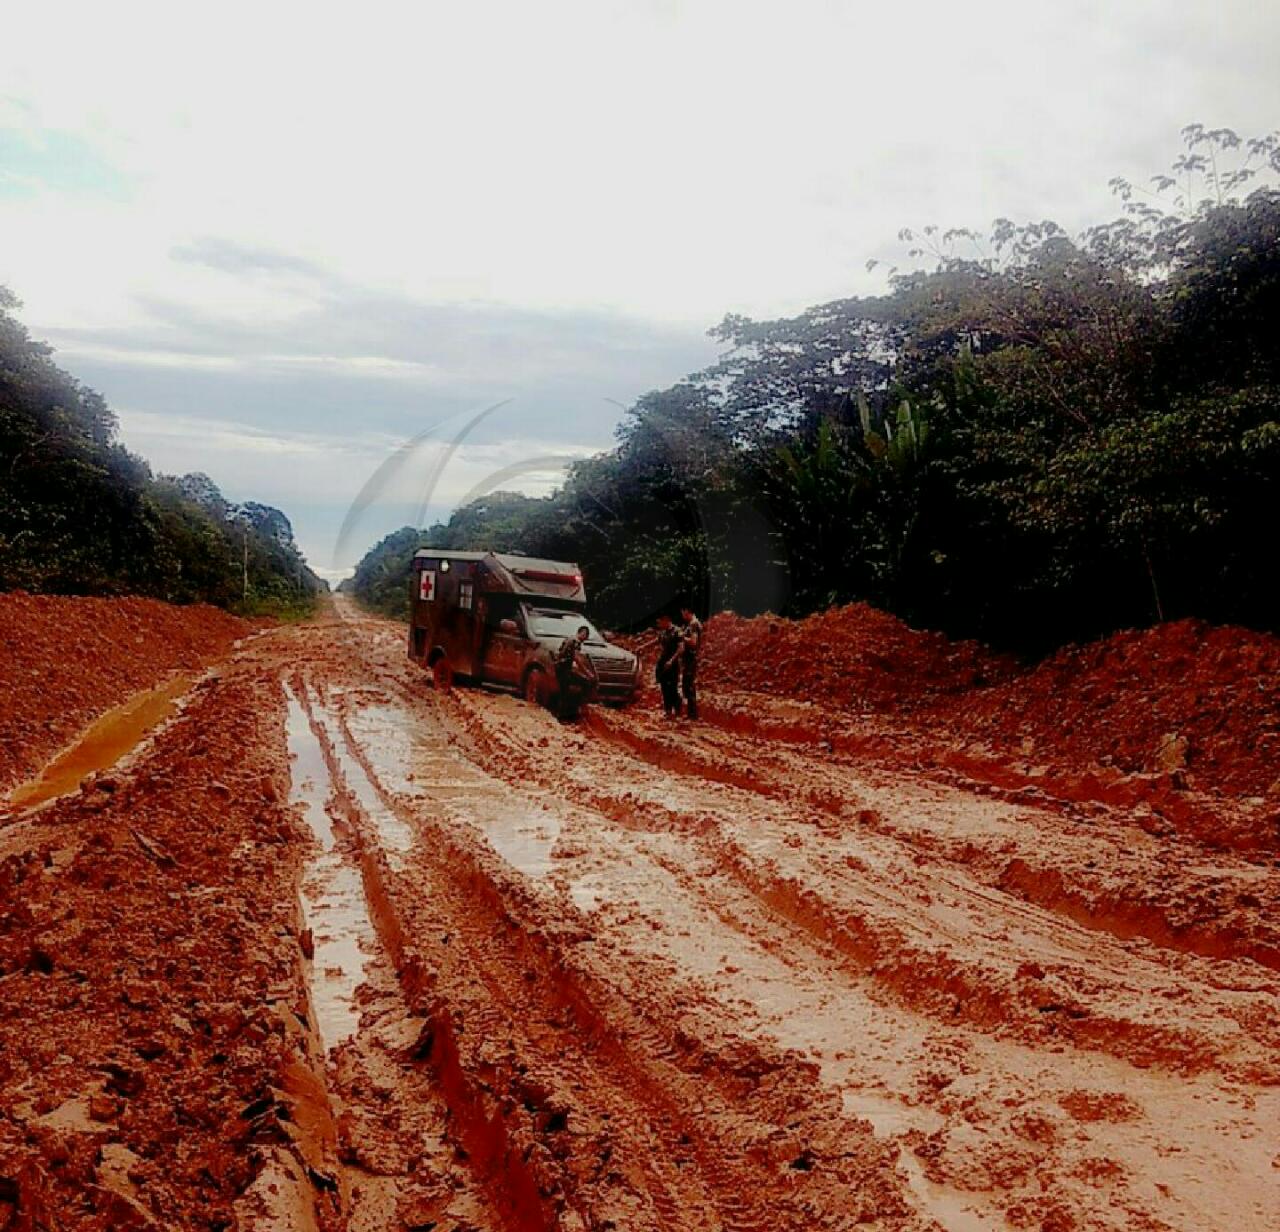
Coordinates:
[550,623]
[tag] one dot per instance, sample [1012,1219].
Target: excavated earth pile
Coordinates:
[1182,719]
[66,659]
[855,657]
[1184,694]
[332,949]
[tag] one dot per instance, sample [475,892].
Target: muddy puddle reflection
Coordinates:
[394,835]
[523,838]
[385,734]
[332,893]
[104,742]
[411,762]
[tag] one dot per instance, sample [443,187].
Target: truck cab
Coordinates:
[498,619]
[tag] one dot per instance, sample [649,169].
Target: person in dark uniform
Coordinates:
[667,670]
[575,673]
[690,647]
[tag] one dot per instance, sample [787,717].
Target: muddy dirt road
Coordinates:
[634,976]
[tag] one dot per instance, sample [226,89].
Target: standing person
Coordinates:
[691,646]
[667,670]
[574,673]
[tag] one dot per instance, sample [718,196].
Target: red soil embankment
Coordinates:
[1183,694]
[1216,688]
[64,660]
[854,656]
[153,1055]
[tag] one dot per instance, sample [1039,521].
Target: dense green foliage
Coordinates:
[79,514]
[1038,440]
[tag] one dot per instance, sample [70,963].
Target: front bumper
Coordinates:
[615,683]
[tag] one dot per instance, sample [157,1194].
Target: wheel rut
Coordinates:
[484,945]
[692,992]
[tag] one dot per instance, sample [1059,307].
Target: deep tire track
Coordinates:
[946,982]
[749,764]
[641,1064]
[619,792]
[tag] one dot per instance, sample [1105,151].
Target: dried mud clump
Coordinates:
[66,659]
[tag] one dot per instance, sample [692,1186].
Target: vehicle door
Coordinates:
[505,644]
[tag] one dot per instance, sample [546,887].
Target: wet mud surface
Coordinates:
[65,660]
[334,950]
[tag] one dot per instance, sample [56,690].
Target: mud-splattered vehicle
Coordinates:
[499,619]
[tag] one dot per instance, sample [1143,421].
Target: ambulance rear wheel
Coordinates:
[535,686]
[442,674]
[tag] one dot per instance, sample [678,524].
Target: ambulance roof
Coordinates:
[508,560]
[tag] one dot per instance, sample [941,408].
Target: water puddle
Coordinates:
[419,766]
[887,1116]
[394,836]
[587,892]
[385,733]
[951,1208]
[104,742]
[332,893]
[418,763]
[524,839]
[342,934]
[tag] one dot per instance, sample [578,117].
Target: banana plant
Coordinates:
[900,443]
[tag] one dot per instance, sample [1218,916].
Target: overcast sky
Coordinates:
[283,239]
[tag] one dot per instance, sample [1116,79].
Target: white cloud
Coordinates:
[655,163]
[318,471]
[676,160]
[379,367]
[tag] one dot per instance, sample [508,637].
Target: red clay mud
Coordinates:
[1184,695]
[852,657]
[1189,700]
[151,1000]
[335,950]
[64,660]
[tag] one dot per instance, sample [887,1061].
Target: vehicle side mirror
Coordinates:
[508,626]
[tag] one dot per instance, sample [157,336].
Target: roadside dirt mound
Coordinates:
[1181,695]
[154,1057]
[66,659]
[854,656]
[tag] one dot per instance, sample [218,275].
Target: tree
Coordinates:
[80,514]
[1030,437]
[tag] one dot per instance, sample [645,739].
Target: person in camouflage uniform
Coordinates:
[691,646]
[667,669]
[575,673]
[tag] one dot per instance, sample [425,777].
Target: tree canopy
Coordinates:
[80,514]
[1030,437]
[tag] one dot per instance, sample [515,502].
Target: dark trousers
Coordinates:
[689,685]
[566,691]
[669,683]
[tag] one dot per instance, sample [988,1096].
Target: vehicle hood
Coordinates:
[609,653]
[597,652]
